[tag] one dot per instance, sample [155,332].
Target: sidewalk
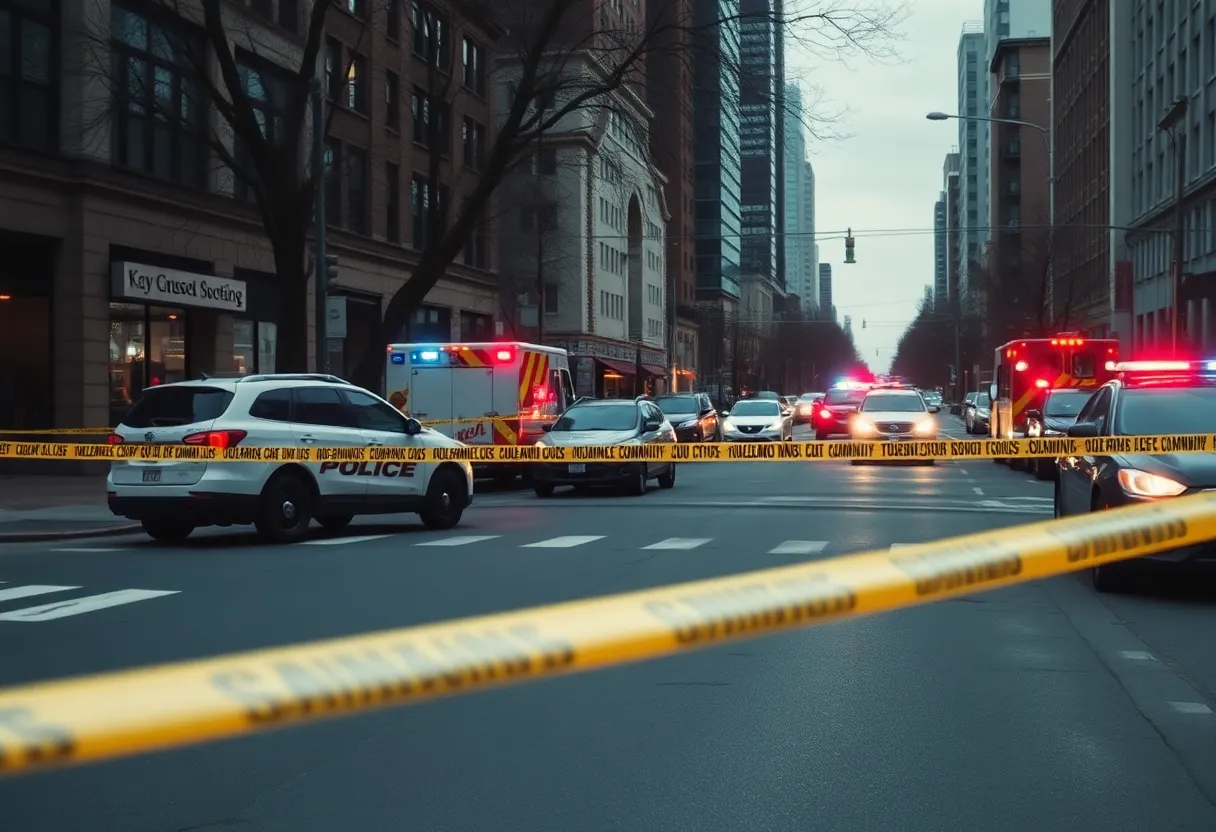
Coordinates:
[44,507]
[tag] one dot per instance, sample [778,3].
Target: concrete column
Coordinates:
[1194,323]
[1207,339]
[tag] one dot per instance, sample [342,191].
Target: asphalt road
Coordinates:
[1041,707]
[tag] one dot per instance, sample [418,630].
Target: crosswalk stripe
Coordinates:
[679,543]
[459,541]
[87,549]
[799,547]
[31,590]
[567,542]
[338,541]
[79,606]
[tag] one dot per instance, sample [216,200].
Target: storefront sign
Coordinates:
[335,313]
[614,351]
[135,281]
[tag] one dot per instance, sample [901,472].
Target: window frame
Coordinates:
[18,85]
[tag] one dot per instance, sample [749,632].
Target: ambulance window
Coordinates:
[1082,365]
[1002,381]
[373,414]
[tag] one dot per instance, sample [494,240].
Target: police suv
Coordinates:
[173,497]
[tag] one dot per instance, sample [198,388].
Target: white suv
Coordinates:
[172,498]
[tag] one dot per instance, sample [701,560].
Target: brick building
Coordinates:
[135,257]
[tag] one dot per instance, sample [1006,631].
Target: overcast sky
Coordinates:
[884,172]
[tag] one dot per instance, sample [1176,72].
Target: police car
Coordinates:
[171,498]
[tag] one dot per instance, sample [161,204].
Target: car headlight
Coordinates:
[863,426]
[925,427]
[688,423]
[1143,484]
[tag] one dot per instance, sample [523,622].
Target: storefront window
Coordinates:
[147,348]
[268,336]
[253,346]
[25,336]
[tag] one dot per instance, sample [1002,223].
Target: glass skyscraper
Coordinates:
[762,94]
[718,172]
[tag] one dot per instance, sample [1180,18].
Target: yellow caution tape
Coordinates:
[431,423]
[131,712]
[943,449]
[56,432]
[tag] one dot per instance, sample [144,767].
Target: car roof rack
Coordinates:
[326,377]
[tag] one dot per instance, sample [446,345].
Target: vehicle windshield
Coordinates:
[677,404]
[756,408]
[892,404]
[1154,412]
[809,397]
[843,397]
[982,400]
[162,407]
[599,417]
[1066,402]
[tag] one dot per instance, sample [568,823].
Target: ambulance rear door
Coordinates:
[430,389]
[473,375]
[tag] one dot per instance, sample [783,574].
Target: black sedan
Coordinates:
[1140,404]
[693,416]
[606,422]
[1052,417]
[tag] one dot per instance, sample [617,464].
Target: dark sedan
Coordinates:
[839,406]
[1053,417]
[693,416]
[1141,403]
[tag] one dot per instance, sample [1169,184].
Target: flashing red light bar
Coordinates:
[1153,366]
[505,356]
[1021,366]
[1068,342]
[1042,384]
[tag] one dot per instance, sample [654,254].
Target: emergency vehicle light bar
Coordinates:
[1156,366]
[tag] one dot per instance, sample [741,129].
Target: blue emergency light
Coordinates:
[426,357]
[397,358]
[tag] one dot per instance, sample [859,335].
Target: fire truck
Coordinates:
[1027,368]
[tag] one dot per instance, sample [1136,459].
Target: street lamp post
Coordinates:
[1172,118]
[1051,174]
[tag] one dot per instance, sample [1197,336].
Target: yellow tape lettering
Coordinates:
[943,572]
[36,742]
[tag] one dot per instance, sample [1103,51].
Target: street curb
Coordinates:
[100,531]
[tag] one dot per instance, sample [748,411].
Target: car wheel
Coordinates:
[286,509]
[167,531]
[543,489]
[1110,577]
[637,482]
[334,522]
[668,480]
[820,436]
[1044,469]
[445,499]
[1057,504]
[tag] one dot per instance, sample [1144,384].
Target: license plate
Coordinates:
[152,476]
[580,468]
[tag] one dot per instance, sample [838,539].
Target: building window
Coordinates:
[392,203]
[473,140]
[356,84]
[253,346]
[356,7]
[420,209]
[333,182]
[392,101]
[289,15]
[473,60]
[29,76]
[475,246]
[547,218]
[159,116]
[424,109]
[333,68]
[546,162]
[356,190]
[430,34]
[393,11]
[266,92]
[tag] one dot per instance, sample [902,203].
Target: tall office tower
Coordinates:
[972,149]
[825,289]
[941,285]
[798,205]
[762,94]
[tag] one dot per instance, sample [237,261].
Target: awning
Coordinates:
[654,370]
[622,367]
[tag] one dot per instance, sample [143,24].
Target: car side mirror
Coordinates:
[1083,430]
[412,426]
[1033,414]
[547,426]
[723,413]
[651,427]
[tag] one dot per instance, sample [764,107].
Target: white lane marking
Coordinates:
[30,590]
[679,543]
[338,541]
[1137,655]
[963,471]
[79,606]
[1190,707]
[799,547]
[464,540]
[979,491]
[566,542]
[903,545]
[87,549]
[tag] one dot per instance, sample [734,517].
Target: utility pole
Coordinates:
[540,231]
[320,267]
[1172,124]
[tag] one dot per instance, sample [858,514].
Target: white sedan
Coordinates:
[894,415]
[758,420]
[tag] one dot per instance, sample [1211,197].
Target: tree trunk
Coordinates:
[291,347]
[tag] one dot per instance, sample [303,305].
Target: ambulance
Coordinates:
[498,393]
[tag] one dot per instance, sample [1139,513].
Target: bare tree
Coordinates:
[570,60]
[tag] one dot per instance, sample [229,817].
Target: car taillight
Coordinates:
[114,439]
[216,438]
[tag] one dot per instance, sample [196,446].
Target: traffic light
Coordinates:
[331,268]
[848,248]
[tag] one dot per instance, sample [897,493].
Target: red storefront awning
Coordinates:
[622,367]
